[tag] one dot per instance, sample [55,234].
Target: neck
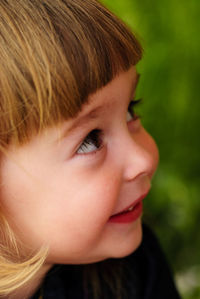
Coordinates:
[29,289]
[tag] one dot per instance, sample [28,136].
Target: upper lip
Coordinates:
[133,204]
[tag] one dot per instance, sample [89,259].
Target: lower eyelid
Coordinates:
[134,125]
[136,116]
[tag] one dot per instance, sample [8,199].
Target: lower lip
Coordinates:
[129,216]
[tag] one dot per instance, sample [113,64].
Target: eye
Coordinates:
[91,143]
[131,114]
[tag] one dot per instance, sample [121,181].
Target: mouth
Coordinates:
[130,213]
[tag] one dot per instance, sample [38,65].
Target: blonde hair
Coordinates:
[53,55]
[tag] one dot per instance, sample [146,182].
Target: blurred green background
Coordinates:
[169,31]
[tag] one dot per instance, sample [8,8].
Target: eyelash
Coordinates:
[131,107]
[95,137]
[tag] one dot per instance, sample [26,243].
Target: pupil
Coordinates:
[94,137]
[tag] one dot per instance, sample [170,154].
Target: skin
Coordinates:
[58,193]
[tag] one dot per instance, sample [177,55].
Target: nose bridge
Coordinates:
[138,159]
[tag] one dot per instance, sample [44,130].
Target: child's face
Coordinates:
[60,192]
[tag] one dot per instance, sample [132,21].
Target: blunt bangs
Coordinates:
[53,55]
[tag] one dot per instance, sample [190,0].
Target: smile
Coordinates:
[129,214]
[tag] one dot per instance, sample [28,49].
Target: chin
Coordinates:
[129,249]
[131,243]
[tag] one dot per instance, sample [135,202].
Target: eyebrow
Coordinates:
[81,121]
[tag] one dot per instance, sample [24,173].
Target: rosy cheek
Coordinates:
[107,192]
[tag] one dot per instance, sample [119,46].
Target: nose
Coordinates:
[140,156]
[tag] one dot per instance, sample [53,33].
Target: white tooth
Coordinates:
[130,209]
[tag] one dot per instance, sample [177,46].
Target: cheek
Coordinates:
[93,199]
[96,193]
[82,200]
[14,190]
[87,210]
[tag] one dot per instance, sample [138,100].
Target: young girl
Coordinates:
[75,161]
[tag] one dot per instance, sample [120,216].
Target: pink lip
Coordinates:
[129,216]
